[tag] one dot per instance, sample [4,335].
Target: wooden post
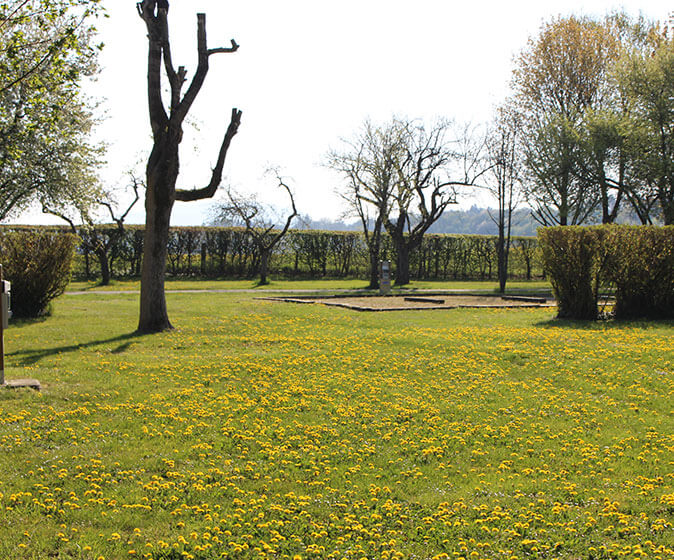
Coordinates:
[2,341]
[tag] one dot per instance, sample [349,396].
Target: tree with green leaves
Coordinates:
[46,50]
[648,80]
[573,117]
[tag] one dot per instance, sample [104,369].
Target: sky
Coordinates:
[307,75]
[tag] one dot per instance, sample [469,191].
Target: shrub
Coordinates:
[638,261]
[641,267]
[38,266]
[571,258]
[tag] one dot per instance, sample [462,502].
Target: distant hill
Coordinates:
[475,220]
[472,221]
[479,221]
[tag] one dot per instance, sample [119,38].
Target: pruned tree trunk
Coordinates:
[163,164]
[153,311]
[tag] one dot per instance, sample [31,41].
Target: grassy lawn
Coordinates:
[271,430]
[339,284]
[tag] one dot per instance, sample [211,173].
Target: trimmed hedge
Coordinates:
[228,252]
[640,265]
[571,258]
[38,266]
[636,261]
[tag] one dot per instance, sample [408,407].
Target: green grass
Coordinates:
[337,284]
[271,430]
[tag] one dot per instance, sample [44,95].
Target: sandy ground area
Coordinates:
[392,303]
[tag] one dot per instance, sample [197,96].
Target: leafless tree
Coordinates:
[258,221]
[369,165]
[102,241]
[163,164]
[429,170]
[503,162]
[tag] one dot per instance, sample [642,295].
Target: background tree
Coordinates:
[259,223]
[648,79]
[424,185]
[163,164]
[503,154]
[558,78]
[46,156]
[608,153]
[101,240]
[369,165]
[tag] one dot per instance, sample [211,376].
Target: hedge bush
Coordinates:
[637,262]
[571,257]
[641,268]
[38,266]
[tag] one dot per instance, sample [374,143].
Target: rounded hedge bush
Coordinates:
[38,266]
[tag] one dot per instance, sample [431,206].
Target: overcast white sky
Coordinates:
[308,73]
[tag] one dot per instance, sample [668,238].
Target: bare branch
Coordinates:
[233,48]
[216,177]
[64,217]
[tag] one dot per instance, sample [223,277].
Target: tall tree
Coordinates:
[558,77]
[648,78]
[369,163]
[503,154]
[46,156]
[163,164]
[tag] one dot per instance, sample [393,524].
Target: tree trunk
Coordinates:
[264,267]
[374,269]
[102,257]
[153,312]
[402,263]
[502,265]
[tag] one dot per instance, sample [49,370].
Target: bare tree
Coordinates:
[163,164]
[259,224]
[503,162]
[369,165]
[99,240]
[426,185]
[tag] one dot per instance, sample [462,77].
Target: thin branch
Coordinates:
[233,48]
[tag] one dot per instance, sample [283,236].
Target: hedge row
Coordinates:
[217,252]
[635,262]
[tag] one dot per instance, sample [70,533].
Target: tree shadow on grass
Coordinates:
[605,324]
[21,322]
[31,357]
